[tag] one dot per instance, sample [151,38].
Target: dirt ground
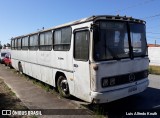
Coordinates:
[8,99]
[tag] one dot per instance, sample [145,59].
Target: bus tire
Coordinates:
[10,66]
[62,86]
[20,68]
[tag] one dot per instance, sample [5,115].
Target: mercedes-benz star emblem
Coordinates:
[132,77]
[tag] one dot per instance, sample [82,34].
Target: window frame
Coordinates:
[35,47]
[131,40]
[13,44]
[51,45]
[81,30]
[62,44]
[115,57]
[27,47]
[19,47]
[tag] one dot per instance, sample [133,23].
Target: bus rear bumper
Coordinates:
[108,96]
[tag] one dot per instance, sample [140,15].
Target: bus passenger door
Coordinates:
[81,64]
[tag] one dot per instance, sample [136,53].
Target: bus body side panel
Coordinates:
[14,59]
[81,69]
[43,65]
[14,63]
[27,68]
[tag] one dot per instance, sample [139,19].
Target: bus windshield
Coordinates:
[138,39]
[111,40]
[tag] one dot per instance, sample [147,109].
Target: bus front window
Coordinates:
[112,41]
[138,39]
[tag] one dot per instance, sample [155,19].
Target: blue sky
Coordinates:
[18,17]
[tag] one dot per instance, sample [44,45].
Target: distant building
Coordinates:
[153,45]
[153,53]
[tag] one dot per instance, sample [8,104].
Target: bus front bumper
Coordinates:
[108,96]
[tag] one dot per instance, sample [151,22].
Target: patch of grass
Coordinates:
[47,87]
[34,117]
[12,93]
[154,70]
[41,84]
[97,110]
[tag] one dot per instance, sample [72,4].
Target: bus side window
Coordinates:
[25,43]
[81,45]
[15,44]
[46,41]
[12,44]
[33,42]
[62,39]
[19,44]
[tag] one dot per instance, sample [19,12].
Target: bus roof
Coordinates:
[92,18]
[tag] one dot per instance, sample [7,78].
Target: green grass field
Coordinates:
[154,70]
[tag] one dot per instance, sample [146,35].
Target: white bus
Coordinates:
[97,59]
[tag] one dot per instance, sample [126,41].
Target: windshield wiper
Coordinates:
[143,56]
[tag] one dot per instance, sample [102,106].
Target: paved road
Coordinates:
[35,97]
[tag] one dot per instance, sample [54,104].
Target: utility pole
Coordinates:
[155,43]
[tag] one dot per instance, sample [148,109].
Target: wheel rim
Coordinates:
[64,86]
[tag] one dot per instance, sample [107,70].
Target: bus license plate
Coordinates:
[132,89]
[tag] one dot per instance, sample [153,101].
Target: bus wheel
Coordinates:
[10,65]
[20,68]
[63,87]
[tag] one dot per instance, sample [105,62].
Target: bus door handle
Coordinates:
[75,65]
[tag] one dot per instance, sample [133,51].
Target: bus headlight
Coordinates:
[105,82]
[112,81]
[108,82]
